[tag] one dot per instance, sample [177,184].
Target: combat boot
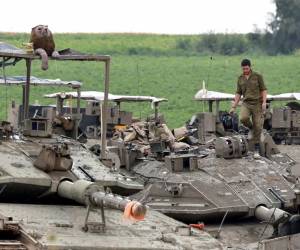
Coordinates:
[256,154]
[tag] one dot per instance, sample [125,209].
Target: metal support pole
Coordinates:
[104,106]
[217,111]
[217,107]
[156,111]
[23,104]
[27,89]
[119,109]
[210,106]
[59,105]
[119,106]
[78,113]
[78,101]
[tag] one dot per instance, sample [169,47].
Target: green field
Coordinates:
[152,65]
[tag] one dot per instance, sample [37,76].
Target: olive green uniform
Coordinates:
[251,89]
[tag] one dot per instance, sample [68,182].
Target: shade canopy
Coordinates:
[12,54]
[206,95]
[21,80]
[99,96]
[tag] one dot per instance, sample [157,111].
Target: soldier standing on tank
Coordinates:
[251,87]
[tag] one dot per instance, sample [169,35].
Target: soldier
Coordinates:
[251,86]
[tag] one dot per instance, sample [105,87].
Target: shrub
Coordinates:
[223,44]
[184,44]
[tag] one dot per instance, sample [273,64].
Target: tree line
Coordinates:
[282,35]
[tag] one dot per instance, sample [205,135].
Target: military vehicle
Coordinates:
[281,122]
[90,124]
[216,182]
[45,136]
[55,194]
[224,184]
[213,181]
[62,120]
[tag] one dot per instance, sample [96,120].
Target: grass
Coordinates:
[160,74]
[112,44]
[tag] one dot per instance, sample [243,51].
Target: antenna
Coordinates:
[208,78]
[139,87]
[5,82]
[209,69]
[204,92]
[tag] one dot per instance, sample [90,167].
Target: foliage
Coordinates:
[184,44]
[224,44]
[285,27]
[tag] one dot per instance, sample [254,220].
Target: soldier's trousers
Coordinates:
[251,116]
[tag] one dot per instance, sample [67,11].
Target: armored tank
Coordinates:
[281,121]
[224,186]
[117,117]
[214,180]
[201,186]
[46,206]
[56,194]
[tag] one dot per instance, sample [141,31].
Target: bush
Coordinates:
[233,45]
[223,44]
[208,42]
[184,44]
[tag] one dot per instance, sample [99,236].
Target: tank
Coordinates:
[212,181]
[56,194]
[280,120]
[197,187]
[99,224]
[117,117]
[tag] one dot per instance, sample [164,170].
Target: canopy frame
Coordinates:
[11,55]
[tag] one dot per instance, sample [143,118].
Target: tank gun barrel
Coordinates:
[110,200]
[89,193]
[283,222]
[272,215]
